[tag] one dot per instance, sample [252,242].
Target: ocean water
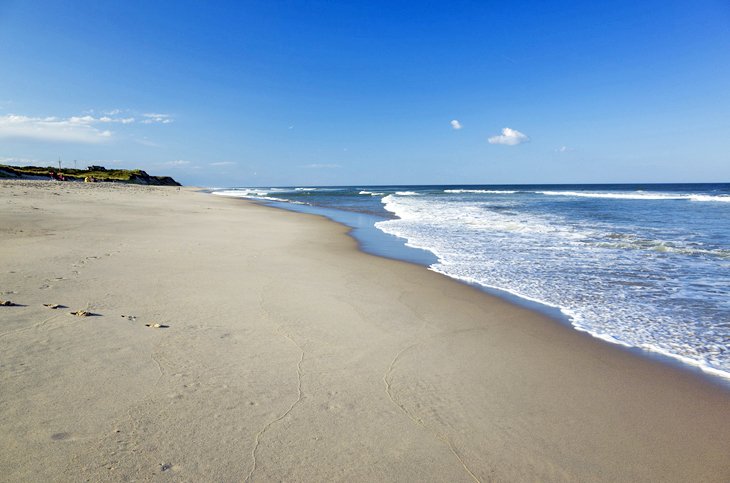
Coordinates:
[644,266]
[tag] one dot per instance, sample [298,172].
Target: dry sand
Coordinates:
[292,356]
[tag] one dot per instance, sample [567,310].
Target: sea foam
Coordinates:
[618,286]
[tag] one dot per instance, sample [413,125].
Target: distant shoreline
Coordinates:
[91,174]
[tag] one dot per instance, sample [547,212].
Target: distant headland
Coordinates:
[90,174]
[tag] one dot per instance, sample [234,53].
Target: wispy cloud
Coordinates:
[455,124]
[88,129]
[321,166]
[88,119]
[146,142]
[73,129]
[123,120]
[509,137]
[223,163]
[177,162]
[156,118]
[563,149]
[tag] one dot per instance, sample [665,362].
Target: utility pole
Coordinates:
[59,163]
[74,164]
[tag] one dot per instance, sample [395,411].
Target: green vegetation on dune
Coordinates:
[98,173]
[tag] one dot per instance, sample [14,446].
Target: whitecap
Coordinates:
[640,195]
[490,192]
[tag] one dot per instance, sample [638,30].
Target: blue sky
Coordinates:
[293,93]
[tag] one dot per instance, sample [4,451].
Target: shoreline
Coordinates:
[558,314]
[290,354]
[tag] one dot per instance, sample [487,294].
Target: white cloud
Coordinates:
[222,163]
[177,162]
[73,129]
[124,120]
[87,119]
[155,118]
[321,166]
[509,137]
[455,124]
[563,149]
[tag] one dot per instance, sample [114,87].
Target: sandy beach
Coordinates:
[284,353]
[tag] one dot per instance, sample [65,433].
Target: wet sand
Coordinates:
[290,355]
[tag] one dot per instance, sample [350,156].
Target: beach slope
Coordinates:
[228,341]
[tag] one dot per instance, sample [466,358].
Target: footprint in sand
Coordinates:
[157,326]
[7,303]
[54,306]
[82,313]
